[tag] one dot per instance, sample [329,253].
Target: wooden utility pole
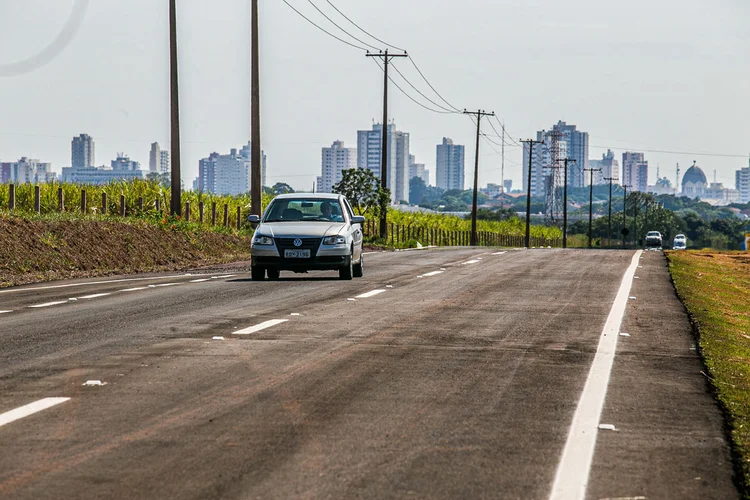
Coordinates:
[624,212]
[384,136]
[609,218]
[176,180]
[531,143]
[479,114]
[591,200]
[256,179]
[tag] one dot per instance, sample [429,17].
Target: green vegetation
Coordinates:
[715,288]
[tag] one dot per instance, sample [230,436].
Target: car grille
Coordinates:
[307,243]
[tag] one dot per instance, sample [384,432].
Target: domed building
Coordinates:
[694,182]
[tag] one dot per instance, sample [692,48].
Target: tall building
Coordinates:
[334,160]
[124,163]
[742,183]
[154,157]
[369,143]
[635,171]
[246,153]
[158,160]
[27,171]
[508,185]
[540,174]
[610,169]
[449,165]
[231,174]
[576,145]
[82,151]
[206,171]
[418,170]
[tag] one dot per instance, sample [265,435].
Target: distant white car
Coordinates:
[679,242]
[653,239]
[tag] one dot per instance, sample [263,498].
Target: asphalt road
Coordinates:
[447,373]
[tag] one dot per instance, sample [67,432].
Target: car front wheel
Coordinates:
[347,272]
[257,273]
[359,268]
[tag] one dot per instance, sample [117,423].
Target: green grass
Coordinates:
[715,288]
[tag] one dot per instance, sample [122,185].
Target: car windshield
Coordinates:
[652,233]
[304,209]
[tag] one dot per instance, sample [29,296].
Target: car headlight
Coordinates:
[263,240]
[334,240]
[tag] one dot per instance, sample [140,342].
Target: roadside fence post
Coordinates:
[213,213]
[83,201]
[12,197]
[201,210]
[157,205]
[239,218]
[392,240]
[122,205]
[104,204]
[60,200]
[226,215]
[37,200]
[187,211]
[140,204]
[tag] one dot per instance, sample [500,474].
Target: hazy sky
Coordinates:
[637,74]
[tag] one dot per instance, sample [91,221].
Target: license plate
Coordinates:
[296,254]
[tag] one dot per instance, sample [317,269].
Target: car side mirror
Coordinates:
[358,219]
[253,219]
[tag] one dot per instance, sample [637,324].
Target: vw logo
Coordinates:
[297,242]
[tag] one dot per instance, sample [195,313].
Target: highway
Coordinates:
[443,373]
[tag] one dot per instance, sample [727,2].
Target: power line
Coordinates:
[420,93]
[433,88]
[339,27]
[672,152]
[411,98]
[362,29]
[323,29]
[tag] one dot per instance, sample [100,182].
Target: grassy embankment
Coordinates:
[715,288]
[36,248]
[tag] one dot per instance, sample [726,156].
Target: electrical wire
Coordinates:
[420,93]
[362,29]
[720,155]
[433,88]
[323,29]
[409,96]
[339,27]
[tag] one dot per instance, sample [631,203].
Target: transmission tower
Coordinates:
[554,177]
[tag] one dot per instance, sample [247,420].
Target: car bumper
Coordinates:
[317,263]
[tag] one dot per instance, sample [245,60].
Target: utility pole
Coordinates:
[384,133]
[624,212]
[565,199]
[479,114]
[502,159]
[609,218]
[591,201]
[531,143]
[175,180]
[256,178]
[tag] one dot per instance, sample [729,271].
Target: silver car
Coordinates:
[304,232]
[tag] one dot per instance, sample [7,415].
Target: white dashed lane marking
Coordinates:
[370,294]
[5,312]
[433,273]
[134,289]
[30,409]
[471,261]
[200,280]
[49,304]
[89,283]
[259,327]
[95,296]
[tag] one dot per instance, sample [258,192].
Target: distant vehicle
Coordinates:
[305,232]
[653,239]
[679,242]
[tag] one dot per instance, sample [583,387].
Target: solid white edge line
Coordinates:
[48,304]
[370,294]
[95,296]
[5,312]
[105,282]
[260,326]
[134,289]
[30,409]
[200,280]
[166,284]
[572,475]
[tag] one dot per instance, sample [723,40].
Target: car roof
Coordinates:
[309,196]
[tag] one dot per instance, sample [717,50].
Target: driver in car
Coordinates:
[326,211]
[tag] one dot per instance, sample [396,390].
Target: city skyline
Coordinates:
[616,85]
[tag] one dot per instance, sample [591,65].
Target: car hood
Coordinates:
[301,229]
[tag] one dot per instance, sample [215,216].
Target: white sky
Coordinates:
[637,74]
